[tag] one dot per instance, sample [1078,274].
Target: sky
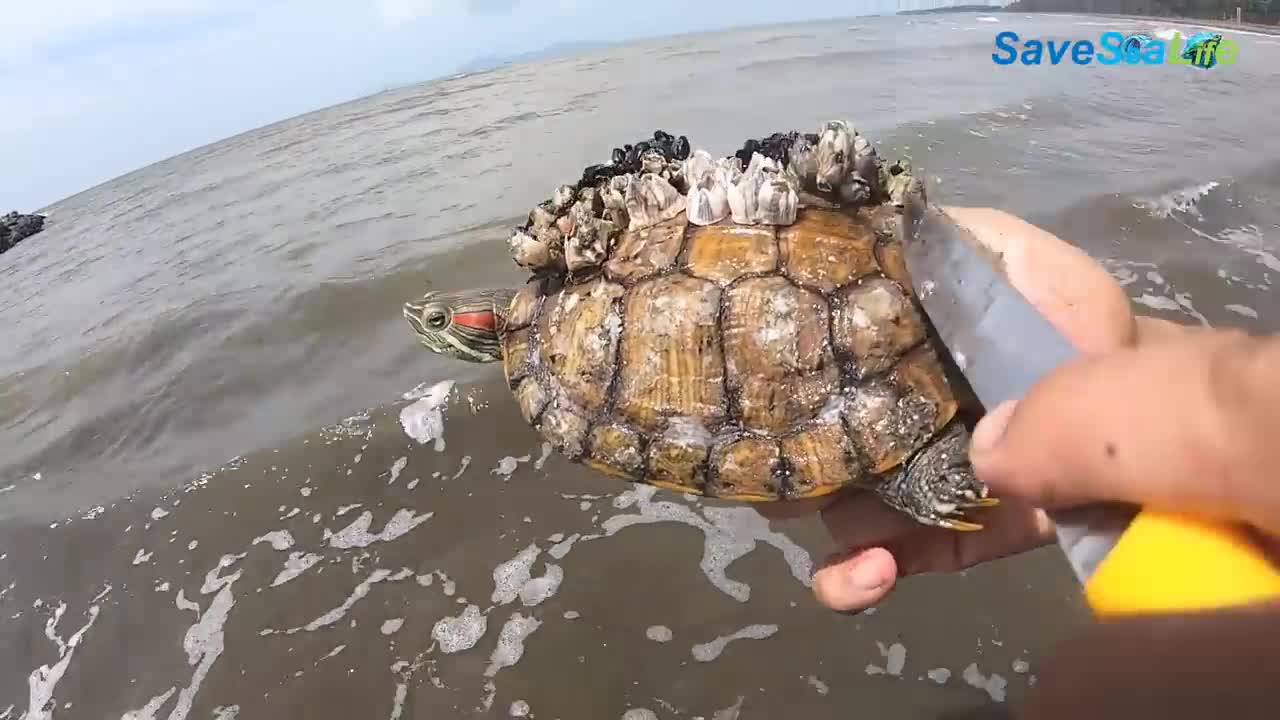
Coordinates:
[93,89]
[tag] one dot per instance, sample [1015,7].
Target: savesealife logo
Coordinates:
[1202,50]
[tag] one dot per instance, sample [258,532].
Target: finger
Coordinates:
[855,580]
[861,519]
[1074,293]
[1011,528]
[862,577]
[1182,429]
[861,522]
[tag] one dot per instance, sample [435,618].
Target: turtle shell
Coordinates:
[746,362]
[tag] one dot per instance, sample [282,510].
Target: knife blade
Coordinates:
[1128,559]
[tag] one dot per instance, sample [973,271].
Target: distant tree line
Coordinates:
[1256,11]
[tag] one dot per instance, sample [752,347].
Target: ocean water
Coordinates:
[210,506]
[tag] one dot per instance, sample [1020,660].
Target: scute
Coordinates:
[565,426]
[779,362]
[517,355]
[671,358]
[890,418]
[822,460]
[825,250]
[637,254]
[678,457]
[581,341]
[532,398]
[884,223]
[617,449]
[746,468]
[873,324]
[525,305]
[726,252]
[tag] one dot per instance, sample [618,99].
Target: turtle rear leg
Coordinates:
[938,484]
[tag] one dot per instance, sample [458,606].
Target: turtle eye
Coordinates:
[437,320]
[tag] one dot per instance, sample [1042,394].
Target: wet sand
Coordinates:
[366,574]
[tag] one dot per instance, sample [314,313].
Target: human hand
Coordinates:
[1190,425]
[880,545]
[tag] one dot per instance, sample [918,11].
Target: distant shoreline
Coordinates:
[1207,23]
[1204,22]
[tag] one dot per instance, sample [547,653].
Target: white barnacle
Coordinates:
[802,161]
[777,203]
[540,218]
[650,200]
[562,198]
[834,155]
[744,193]
[697,166]
[529,251]
[615,202]
[708,199]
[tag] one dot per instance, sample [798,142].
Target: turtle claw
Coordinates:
[960,525]
[985,502]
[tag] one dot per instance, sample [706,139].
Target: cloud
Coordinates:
[394,13]
[493,7]
[35,29]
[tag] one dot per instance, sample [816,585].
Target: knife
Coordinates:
[1129,560]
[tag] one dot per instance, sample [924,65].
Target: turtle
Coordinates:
[743,333]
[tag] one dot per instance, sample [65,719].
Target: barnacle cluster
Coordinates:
[648,182]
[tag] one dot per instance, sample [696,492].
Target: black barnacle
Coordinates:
[681,150]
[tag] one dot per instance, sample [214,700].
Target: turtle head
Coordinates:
[465,325]
[834,155]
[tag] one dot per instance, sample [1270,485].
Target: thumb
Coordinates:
[1181,425]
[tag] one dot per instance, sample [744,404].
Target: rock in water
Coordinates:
[16,227]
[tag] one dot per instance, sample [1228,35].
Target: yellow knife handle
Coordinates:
[1170,562]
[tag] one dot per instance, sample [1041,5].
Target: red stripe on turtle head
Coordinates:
[480,320]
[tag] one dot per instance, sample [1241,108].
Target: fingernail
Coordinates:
[990,429]
[866,576]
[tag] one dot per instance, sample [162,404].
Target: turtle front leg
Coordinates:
[938,484]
